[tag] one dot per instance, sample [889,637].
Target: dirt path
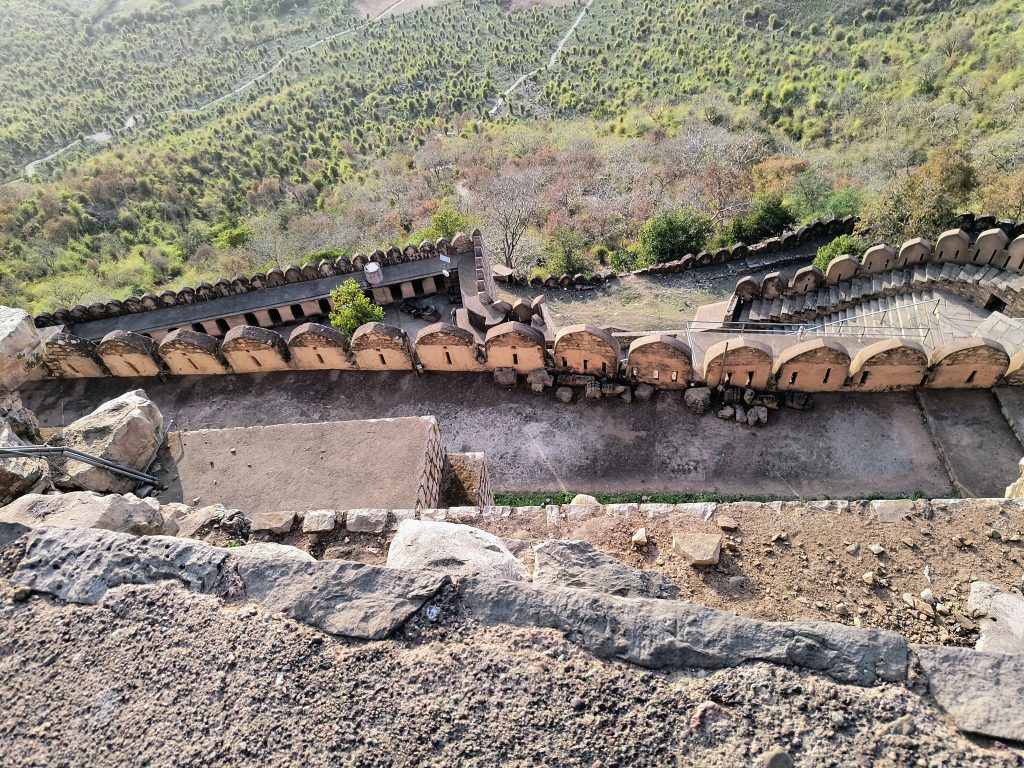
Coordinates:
[158,676]
[503,97]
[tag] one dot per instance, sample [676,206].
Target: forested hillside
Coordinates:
[722,120]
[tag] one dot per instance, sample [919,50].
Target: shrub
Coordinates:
[670,235]
[769,217]
[447,221]
[842,245]
[352,309]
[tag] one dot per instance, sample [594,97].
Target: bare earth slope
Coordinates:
[158,676]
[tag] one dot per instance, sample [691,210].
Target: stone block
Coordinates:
[702,509]
[892,510]
[564,394]
[463,514]
[366,520]
[621,510]
[653,511]
[698,548]
[398,515]
[434,515]
[1001,620]
[553,514]
[319,521]
[272,522]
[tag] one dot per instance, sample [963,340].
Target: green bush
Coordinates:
[670,235]
[842,245]
[566,254]
[769,217]
[352,309]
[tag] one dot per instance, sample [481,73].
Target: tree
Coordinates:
[447,221]
[841,246]
[769,217]
[509,202]
[922,202]
[670,235]
[352,309]
[566,254]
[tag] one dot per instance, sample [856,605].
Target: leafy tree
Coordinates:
[352,309]
[567,254]
[769,217]
[842,245]
[448,221]
[670,235]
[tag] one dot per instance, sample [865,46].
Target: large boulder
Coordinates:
[459,550]
[20,474]
[1015,490]
[83,509]
[125,430]
[20,347]
[579,565]
[698,400]
[23,422]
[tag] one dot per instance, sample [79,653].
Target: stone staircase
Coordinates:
[1008,331]
[969,279]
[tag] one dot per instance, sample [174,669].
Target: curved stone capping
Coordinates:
[317,335]
[461,243]
[242,335]
[451,333]
[785,241]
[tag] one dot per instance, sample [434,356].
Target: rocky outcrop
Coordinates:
[665,634]
[20,474]
[20,347]
[982,692]
[84,509]
[342,598]
[201,521]
[454,549]
[578,565]
[23,422]
[125,430]
[1015,490]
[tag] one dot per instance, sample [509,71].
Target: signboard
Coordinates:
[446,259]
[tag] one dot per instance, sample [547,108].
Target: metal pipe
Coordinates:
[44,450]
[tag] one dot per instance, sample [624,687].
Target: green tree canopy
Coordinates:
[671,235]
[352,309]
[842,245]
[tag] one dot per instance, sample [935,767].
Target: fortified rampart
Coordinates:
[520,339]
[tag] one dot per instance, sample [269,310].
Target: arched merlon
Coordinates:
[738,362]
[446,347]
[190,353]
[815,365]
[129,354]
[967,363]
[315,347]
[250,349]
[661,361]
[515,345]
[887,365]
[381,347]
[586,349]
[72,357]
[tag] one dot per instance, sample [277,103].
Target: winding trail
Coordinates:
[502,98]
[102,137]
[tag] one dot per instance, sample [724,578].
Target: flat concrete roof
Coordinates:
[376,463]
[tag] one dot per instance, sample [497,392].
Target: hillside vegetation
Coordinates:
[749,116]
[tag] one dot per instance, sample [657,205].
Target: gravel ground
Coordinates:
[157,676]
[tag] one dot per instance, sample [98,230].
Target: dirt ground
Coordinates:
[849,446]
[809,574]
[157,676]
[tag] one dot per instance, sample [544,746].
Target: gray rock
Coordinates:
[698,548]
[23,422]
[505,377]
[1000,617]
[728,413]
[366,520]
[627,395]
[982,692]
[11,531]
[584,499]
[776,757]
[698,399]
[272,522]
[20,474]
[339,597]
[892,510]
[80,565]
[20,347]
[741,413]
[564,394]
[213,516]
[644,392]
[757,415]
[748,396]
[574,380]
[84,509]
[540,378]
[125,430]
[269,549]
[319,521]
[577,564]
[456,549]
[666,634]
